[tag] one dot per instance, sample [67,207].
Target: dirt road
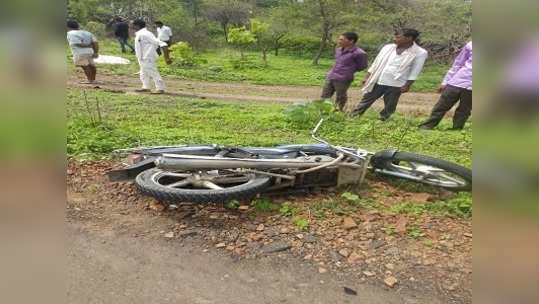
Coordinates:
[115,268]
[119,252]
[411,103]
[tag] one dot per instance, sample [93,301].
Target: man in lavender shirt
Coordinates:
[457,85]
[349,59]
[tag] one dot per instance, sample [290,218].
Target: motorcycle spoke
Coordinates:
[180,184]
[211,185]
[174,174]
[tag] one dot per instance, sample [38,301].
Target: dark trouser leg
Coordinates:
[93,71]
[464,110]
[391,99]
[122,43]
[88,72]
[341,89]
[447,100]
[328,90]
[129,45]
[368,99]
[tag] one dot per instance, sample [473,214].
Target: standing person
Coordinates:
[164,33]
[146,45]
[121,32]
[392,73]
[456,86]
[349,59]
[84,47]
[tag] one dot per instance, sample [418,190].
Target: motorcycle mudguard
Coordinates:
[131,171]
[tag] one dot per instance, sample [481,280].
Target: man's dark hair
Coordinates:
[72,24]
[409,32]
[159,23]
[351,36]
[118,19]
[140,23]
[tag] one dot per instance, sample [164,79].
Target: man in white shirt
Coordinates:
[146,45]
[392,73]
[84,47]
[164,33]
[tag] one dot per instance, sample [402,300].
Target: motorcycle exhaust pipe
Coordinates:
[173,162]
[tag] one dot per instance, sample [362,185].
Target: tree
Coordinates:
[282,20]
[228,12]
[325,17]
[241,37]
[195,7]
[268,36]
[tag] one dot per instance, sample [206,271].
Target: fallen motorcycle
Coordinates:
[214,173]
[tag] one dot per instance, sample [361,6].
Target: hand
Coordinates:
[95,55]
[405,88]
[168,61]
[441,88]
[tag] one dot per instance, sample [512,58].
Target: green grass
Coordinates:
[221,66]
[129,120]
[142,120]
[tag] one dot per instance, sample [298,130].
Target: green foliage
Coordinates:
[86,138]
[225,66]
[265,205]
[297,27]
[241,38]
[301,45]
[309,114]
[233,205]
[351,197]
[301,223]
[460,206]
[182,54]
[288,210]
[98,29]
[415,232]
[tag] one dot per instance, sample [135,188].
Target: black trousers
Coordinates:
[391,99]
[340,88]
[450,96]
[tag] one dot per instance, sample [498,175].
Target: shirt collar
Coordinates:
[349,50]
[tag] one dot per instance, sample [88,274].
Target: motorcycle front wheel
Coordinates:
[423,169]
[218,186]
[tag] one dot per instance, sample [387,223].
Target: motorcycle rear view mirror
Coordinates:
[315,130]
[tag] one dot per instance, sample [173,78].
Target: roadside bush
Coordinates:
[96,28]
[182,54]
[301,45]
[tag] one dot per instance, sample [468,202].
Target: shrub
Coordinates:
[307,115]
[96,28]
[182,54]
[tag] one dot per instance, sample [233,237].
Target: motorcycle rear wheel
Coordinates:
[201,187]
